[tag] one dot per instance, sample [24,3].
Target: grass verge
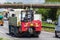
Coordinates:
[47,24]
[48,29]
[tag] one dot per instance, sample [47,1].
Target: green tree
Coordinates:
[7,3]
[44,12]
[48,13]
[53,13]
[19,3]
[14,3]
[52,0]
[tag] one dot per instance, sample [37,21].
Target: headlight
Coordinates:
[31,24]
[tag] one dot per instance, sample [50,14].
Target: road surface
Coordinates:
[43,36]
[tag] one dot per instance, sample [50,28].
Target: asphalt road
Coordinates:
[43,36]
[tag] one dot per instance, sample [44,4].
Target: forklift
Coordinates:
[27,26]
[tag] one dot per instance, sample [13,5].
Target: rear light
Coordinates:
[37,25]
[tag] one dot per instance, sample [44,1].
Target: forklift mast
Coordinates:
[28,17]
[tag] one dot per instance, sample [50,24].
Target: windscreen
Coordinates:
[27,16]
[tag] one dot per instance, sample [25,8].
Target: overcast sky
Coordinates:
[24,1]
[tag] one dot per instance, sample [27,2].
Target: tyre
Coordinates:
[35,35]
[10,33]
[1,24]
[17,35]
[56,34]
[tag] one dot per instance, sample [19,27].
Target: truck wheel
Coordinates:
[11,33]
[56,34]
[1,24]
[17,35]
[26,34]
[36,35]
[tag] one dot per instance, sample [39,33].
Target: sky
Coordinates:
[24,1]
